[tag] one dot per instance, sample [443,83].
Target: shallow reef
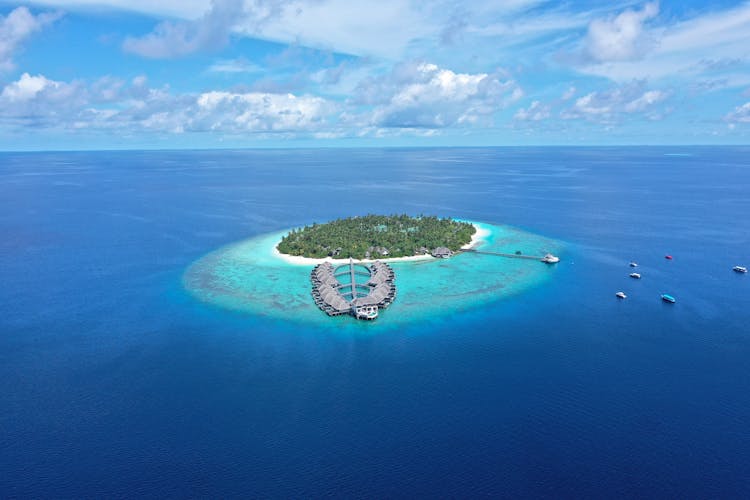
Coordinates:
[247,276]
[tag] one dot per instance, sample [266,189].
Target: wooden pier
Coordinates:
[542,258]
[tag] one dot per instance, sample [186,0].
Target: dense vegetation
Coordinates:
[376,236]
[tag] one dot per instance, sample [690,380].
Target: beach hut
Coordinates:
[442,252]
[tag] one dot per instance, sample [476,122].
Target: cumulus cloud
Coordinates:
[110,103]
[256,111]
[623,37]
[38,101]
[607,106]
[417,97]
[740,114]
[15,28]
[535,112]
[171,39]
[424,95]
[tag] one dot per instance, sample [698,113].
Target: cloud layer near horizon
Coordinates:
[336,69]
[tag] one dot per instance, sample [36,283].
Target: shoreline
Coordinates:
[478,237]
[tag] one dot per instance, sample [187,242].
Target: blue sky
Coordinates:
[93,74]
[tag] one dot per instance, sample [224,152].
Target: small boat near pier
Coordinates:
[550,259]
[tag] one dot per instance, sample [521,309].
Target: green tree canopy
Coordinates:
[377,236]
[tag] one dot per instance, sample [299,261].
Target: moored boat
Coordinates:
[635,275]
[739,269]
[668,298]
[621,295]
[633,264]
[668,257]
[550,259]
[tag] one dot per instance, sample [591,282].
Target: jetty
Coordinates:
[547,259]
[357,289]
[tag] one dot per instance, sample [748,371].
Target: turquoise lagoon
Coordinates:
[247,276]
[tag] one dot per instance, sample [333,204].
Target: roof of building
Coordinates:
[337,297]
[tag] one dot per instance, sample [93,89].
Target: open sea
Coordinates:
[117,381]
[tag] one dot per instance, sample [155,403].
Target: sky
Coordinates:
[173,74]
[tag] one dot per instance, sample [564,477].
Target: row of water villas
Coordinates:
[356,289]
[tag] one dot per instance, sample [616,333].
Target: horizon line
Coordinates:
[302,148]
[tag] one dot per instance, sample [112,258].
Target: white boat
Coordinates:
[633,264]
[368,312]
[550,259]
[635,275]
[621,295]
[739,269]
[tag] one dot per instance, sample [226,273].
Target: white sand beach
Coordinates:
[479,235]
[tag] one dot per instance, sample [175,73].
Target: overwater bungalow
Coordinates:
[355,289]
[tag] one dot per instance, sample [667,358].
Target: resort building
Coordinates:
[442,252]
[355,289]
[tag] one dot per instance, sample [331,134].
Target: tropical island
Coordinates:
[378,236]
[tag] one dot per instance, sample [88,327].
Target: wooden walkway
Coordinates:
[509,255]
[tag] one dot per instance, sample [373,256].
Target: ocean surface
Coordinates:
[118,381]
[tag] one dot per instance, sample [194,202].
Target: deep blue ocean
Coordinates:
[116,382]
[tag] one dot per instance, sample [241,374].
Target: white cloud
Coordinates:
[361,27]
[740,114]
[386,29]
[183,9]
[609,106]
[535,112]
[15,28]
[703,45]
[36,101]
[426,96]
[240,65]
[256,111]
[645,101]
[568,94]
[26,88]
[623,37]
[179,38]
[416,97]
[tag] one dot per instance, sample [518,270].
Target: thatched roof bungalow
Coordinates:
[363,298]
[442,252]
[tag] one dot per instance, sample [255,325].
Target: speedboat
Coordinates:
[668,298]
[633,264]
[668,257]
[739,269]
[635,275]
[621,295]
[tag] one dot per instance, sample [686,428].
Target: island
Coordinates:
[252,276]
[360,289]
[379,237]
